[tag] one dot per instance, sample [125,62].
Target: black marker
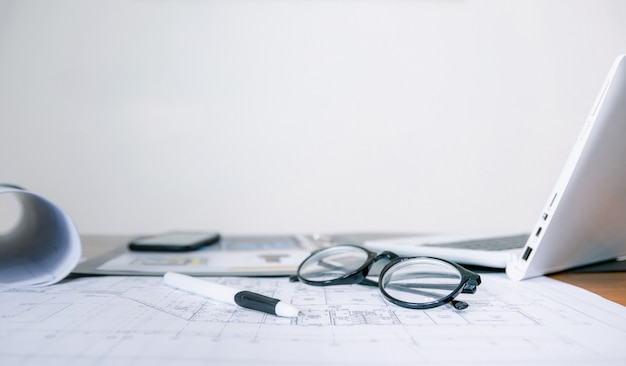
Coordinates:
[246,299]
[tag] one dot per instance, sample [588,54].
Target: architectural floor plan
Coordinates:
[140,321]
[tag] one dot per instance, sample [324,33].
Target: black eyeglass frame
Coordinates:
[468,283]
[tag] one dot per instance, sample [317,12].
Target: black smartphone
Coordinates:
[177,241]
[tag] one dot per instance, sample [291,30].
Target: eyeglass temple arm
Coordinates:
[368,282]
[469,288]
[384,255]
[458,304]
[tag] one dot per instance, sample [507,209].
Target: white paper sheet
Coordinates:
[42,248]
[278,262]
[140,321]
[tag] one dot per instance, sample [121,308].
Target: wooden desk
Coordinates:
[610,285]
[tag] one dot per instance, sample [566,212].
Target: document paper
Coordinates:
[140,321]
[42,247]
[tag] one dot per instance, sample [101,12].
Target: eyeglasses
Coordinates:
[411,282]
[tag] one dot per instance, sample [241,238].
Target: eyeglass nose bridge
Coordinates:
[360,276]
[386,255]
[376,265]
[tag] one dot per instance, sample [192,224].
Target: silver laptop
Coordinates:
[584,219]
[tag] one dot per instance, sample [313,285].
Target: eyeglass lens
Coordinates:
[421,280]
[333,263]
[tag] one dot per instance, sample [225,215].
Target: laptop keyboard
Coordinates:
[497,243]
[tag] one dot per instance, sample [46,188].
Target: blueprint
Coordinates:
[40,246]
[140,321]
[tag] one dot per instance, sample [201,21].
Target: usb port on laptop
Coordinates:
[527,253]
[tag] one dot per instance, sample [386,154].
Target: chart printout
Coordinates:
[140,321]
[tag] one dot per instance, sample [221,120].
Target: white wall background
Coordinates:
[298,115]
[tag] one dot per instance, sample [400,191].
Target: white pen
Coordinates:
[246,299]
